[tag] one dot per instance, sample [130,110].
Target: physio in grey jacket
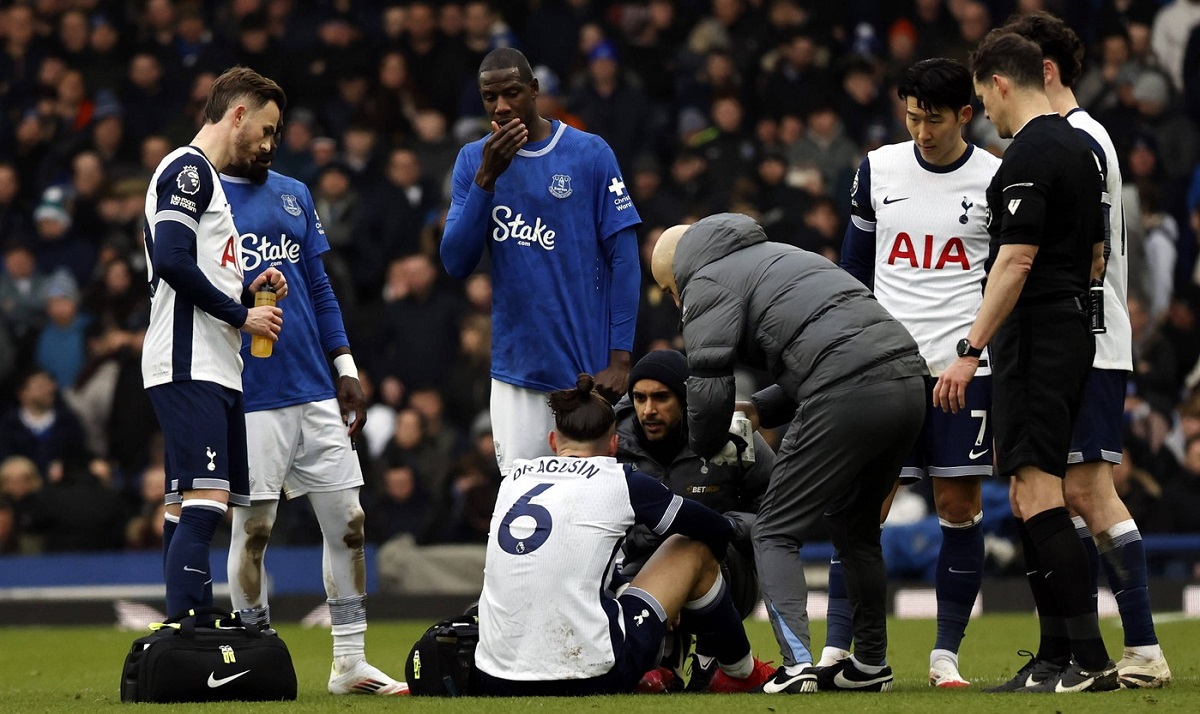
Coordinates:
[848,377]
[653,438]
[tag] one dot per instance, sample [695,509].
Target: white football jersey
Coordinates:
[554,538]
[1114,347]
[931,242]
[183,342]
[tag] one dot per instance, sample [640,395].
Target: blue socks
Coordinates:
[187,572]
[1123,557]
[1089,547]
[839,620]
[959,576]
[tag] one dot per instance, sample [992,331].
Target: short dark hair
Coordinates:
[1059,43]
[1008,54]
[507,58]
[581,414]
[236,83]
[937,83]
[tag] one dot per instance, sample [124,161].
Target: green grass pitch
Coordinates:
[77,669]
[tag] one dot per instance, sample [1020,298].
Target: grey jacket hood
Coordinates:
[712,238]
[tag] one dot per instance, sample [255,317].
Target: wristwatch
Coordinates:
[965,349]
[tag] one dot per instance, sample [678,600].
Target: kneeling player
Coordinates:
[549,622]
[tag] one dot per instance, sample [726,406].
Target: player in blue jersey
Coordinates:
[552,620]
[925,262]
[1116,547]
[549,204]
[301,421]
[190,363]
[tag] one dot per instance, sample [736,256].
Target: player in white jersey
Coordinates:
[551,621]
[1116,546]
[918,237]
[299,421]
[190,363]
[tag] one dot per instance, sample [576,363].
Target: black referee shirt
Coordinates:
[1048,192]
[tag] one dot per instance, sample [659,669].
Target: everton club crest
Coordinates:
[290,204]
[560,185]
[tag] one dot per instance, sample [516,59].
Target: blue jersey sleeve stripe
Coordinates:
[183,218]
[668,517]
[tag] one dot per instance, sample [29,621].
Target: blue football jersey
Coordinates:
[553,209]
[280,229]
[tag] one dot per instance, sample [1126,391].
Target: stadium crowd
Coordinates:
[763,107]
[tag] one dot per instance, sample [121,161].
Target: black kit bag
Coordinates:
[442,661]
[222,661]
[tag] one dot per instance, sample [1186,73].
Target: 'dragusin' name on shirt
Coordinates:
[557,466]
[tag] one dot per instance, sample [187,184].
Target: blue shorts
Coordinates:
[954,444]
[637,650]
[1096,435]
[204,439]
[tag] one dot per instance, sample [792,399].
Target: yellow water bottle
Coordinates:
[262,346]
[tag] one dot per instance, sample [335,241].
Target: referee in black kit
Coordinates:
[1047,244]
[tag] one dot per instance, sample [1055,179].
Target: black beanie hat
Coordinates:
[667,366]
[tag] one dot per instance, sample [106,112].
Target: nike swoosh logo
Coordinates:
[1031,682]
[193,570]
[773,686]
[962,572]
[974,455]
[213,682]
[840,681]
[889,200]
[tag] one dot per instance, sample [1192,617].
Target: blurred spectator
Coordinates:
[611,106]
[826,148]
[294,157]
[59,246]
[1156,374]
[1172,26]
[106,55]
[410,447]
[728,149]
[88,180]
[901,49]
[1160,232]
[474,483]
[796,83]
[1180,328]
[381,412]
[108,130]
[436,150]
[654,206]
[393,213]
[419,323]
[22,293]
[658,317]
[974,20]
[71,40]
[150,101]
[401,507]
[552,32]
[144,531]
[338,205]
[1097,88]
[81,511]
[22,54]
[348,104]
[9,538]
[862,105]
[780,207]
[1180,501]
[41,427]
[20,487]
[60,347]
[396,101]
[469,381]
[437,66]
[690,186]
[361,156]
[14,220]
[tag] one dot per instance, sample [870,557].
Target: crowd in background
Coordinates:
[764,107]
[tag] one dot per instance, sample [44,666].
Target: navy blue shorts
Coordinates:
[204,439]
[637,651]
[954,444]
[1097,431]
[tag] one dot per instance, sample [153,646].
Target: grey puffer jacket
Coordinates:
[793,313]
[733,490]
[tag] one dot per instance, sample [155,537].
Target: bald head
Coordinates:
[664,256]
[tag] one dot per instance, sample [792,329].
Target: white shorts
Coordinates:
[521,424]
[300,449]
